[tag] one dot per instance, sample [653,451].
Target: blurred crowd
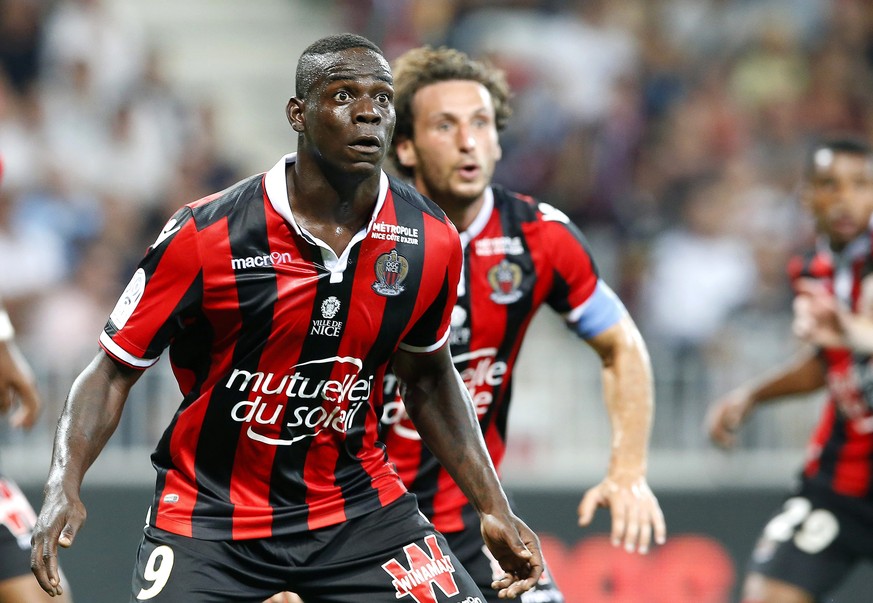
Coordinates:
[98,149]
[671,131]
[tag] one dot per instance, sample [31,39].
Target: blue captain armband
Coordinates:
[602,310]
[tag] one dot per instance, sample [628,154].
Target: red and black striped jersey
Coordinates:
[840,454]
[518,254]
[279,347]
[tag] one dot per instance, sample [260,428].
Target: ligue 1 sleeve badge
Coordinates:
[391,271]
[505,280]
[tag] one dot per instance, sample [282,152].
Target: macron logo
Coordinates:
[261,261]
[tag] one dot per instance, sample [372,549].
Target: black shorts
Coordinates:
[477,559]
[16,524]
[390,554]
[815,540]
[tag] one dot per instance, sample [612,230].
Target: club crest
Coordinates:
[391,270]
[505,280]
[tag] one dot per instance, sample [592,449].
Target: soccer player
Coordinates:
[18,391]
[518,254]
[282,300]
[825,526]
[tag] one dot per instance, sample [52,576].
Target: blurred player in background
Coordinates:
[19,396]
[518,255]
[826,525]
[282,299]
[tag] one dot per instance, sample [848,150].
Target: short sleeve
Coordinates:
[164,288]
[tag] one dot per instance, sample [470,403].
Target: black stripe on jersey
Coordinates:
[312,347]
[247,234]
[514,212]
[151,260]
[186,354]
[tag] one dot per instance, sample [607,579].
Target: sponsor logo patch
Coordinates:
[331,328]
[261,261]
[394,232]
[319,405]
[425,570]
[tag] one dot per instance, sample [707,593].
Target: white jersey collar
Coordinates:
[277,192]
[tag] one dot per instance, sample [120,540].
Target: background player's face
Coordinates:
[454,147]
[839,193]
[348,118]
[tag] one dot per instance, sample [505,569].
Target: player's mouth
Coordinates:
[844,225]
[469,171]
[367,144]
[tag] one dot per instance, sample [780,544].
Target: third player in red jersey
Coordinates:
[825,526]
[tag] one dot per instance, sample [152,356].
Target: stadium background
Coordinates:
[671,131]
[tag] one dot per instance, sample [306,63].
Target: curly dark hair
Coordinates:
[423,66]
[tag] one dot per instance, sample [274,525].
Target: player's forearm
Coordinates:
[89,418]
[629,397]
[858,331]
[444,417]
[803,375]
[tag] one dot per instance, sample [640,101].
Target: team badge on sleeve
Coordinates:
[391,271]
[505,280]
[129,299]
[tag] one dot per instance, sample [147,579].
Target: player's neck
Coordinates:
[342,200]
[461,212]
[330,209]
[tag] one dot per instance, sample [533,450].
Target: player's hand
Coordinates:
[636,514]
[818,316]
[725,417]
[517,550]
[17,385]
[58,523]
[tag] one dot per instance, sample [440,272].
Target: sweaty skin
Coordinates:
[344,125]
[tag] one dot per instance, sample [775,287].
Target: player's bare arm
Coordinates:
[89,418]
[17,386]
[629,395]
[803,375]
[822,320]
[438,404]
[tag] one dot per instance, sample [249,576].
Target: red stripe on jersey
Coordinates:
[852,473]
[171,279]
[819,438]
[566,260]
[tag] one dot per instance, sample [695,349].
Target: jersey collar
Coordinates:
[481,220]
[277,192]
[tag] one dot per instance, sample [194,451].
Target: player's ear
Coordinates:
[294,112]
[406,153]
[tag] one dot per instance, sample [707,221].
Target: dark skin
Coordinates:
[344,127]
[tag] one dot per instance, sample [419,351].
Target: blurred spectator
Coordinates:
[21,24]
[700,274]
